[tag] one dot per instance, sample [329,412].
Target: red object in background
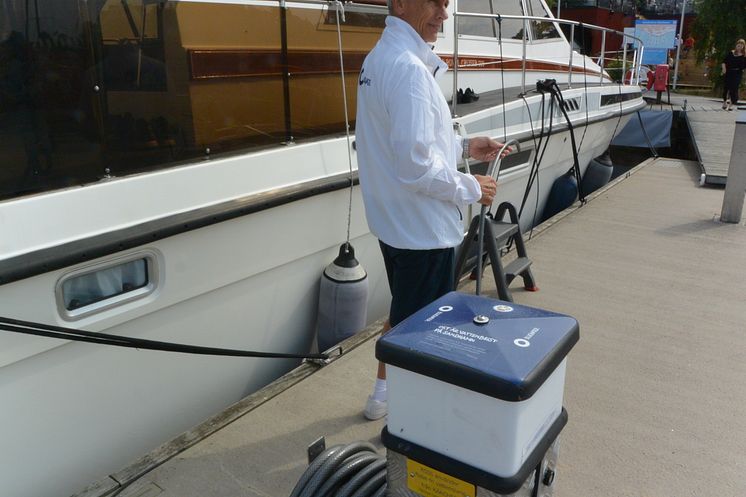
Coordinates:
[651,79]
[661,77]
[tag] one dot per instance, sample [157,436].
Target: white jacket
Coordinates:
[407,149]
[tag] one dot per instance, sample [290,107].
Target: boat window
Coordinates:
[540,30]
[133,48]
[90,90]
[510,29]
[516,159]
[315,84]
[96,289]
[511,161]
[358,17]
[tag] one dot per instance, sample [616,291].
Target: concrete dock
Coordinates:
[655,388]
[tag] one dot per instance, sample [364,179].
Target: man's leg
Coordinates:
[416,278]
[376,406]
[381,366]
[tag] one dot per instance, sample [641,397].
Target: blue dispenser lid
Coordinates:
[508,355]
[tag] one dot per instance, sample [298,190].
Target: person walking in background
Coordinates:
[688,45]
[407,156]
[733,66]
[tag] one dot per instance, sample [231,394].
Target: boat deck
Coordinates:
[655,388]
[493,98]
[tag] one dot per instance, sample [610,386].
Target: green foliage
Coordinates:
[718,25]
[614,68]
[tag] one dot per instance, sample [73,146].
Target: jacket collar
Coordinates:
[401,33]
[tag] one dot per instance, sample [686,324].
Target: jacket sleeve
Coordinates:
[420,163]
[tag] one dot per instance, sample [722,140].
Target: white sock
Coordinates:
[379,391]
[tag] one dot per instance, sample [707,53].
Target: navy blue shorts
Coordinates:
[416,278]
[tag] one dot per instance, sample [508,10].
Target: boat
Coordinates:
[181,171]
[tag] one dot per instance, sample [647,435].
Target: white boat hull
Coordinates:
[81,411]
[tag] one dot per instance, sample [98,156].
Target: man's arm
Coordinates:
[414,142]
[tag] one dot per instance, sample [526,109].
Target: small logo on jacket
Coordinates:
[363,80]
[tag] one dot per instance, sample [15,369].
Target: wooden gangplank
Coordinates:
[712,129]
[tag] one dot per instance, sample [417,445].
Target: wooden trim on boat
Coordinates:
[218,64]
[68,254]
[487,63]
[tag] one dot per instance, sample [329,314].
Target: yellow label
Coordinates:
[428,482]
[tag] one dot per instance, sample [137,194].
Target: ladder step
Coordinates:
[517,267]
[497,234]
[503,230]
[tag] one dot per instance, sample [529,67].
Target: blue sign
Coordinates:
[655,56]
[656,34]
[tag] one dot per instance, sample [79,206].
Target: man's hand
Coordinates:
[485,149]
[489,189]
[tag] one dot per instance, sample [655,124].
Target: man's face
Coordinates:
[425,16]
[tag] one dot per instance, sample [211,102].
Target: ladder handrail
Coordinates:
[493,170]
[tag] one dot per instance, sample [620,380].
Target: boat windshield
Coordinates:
[540,30]
[510,29]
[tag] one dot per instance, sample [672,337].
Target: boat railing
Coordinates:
[634,63]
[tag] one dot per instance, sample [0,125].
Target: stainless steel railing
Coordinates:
[636,53]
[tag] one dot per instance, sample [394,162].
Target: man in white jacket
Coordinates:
[407,155]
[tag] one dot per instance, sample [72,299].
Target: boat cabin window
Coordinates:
[102,287]
[511,29]
[102,88]
[517,159]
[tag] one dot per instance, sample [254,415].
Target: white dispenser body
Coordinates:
[482,431]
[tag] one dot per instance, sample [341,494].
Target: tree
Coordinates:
[718,25]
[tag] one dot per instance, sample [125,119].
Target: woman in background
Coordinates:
[733,66]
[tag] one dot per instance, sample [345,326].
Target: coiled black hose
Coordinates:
[354,470]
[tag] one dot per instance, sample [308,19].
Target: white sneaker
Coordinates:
[375,409]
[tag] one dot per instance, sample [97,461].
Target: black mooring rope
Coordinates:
[62,333]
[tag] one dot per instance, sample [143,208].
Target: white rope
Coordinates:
[339,8]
